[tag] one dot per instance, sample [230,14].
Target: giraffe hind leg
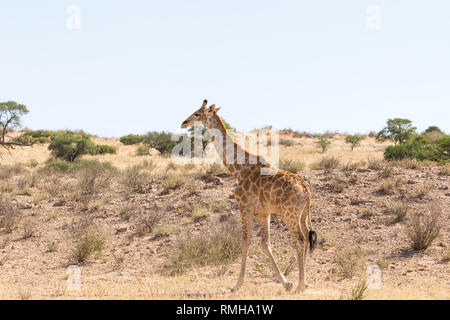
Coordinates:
[264,224]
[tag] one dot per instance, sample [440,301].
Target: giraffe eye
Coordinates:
[197,114]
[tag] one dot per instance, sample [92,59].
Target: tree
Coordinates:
[398,130]
[161,141]
[11,114]
[354,140]
[433,129]
[69,147]
[323,142]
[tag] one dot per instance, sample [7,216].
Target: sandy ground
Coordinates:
[135,266]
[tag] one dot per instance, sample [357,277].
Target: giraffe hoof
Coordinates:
[300,289]
[234,289]
[288,286]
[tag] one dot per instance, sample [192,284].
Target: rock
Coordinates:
[120,230]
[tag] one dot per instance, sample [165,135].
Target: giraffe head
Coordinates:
[203,115]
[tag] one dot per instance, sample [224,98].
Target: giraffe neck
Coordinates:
[229,151]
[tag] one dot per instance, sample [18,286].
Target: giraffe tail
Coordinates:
[312,240]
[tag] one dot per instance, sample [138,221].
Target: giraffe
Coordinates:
[259,195]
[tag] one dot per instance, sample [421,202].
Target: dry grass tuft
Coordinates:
[9,214]
[90,244]
[389,185]
[134,178]
[148,222]
[421,191]
[375,164]
[422,230]
[350,261]
[399,210]
[222,247]
[294,166]
[327,163]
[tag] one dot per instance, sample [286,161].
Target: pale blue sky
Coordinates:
[136,66]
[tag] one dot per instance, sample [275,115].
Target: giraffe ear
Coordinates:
[218,108]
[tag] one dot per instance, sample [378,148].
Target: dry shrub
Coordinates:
[423,229]
[199,211]
[93,180]
[91,243]
[327,163]
[9,214]
[172,181]
[350,260]
[375,164]
[421,191]
[368,213]
[294,166]
[399,210]
[164,230]
[407,163]
[135,179]
[28,230]
[7,172]
[215,168]
[445,169]
[127,211]
[445,255]
[142,150]
[148,222]
[221,247]
[389,185]
[338,186]
[386,172]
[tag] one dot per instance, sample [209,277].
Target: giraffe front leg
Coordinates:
[246,237]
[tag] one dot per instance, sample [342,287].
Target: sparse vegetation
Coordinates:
[323,142]
[294,166]
[90,244]
[354,140]
[9,214]
[399,210]
[349,260]
[222,247]
[328,163]
[135,179]
[423,229]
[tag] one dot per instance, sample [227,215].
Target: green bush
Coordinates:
[70,146]
[131,139]
[103,149]
[420,148]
